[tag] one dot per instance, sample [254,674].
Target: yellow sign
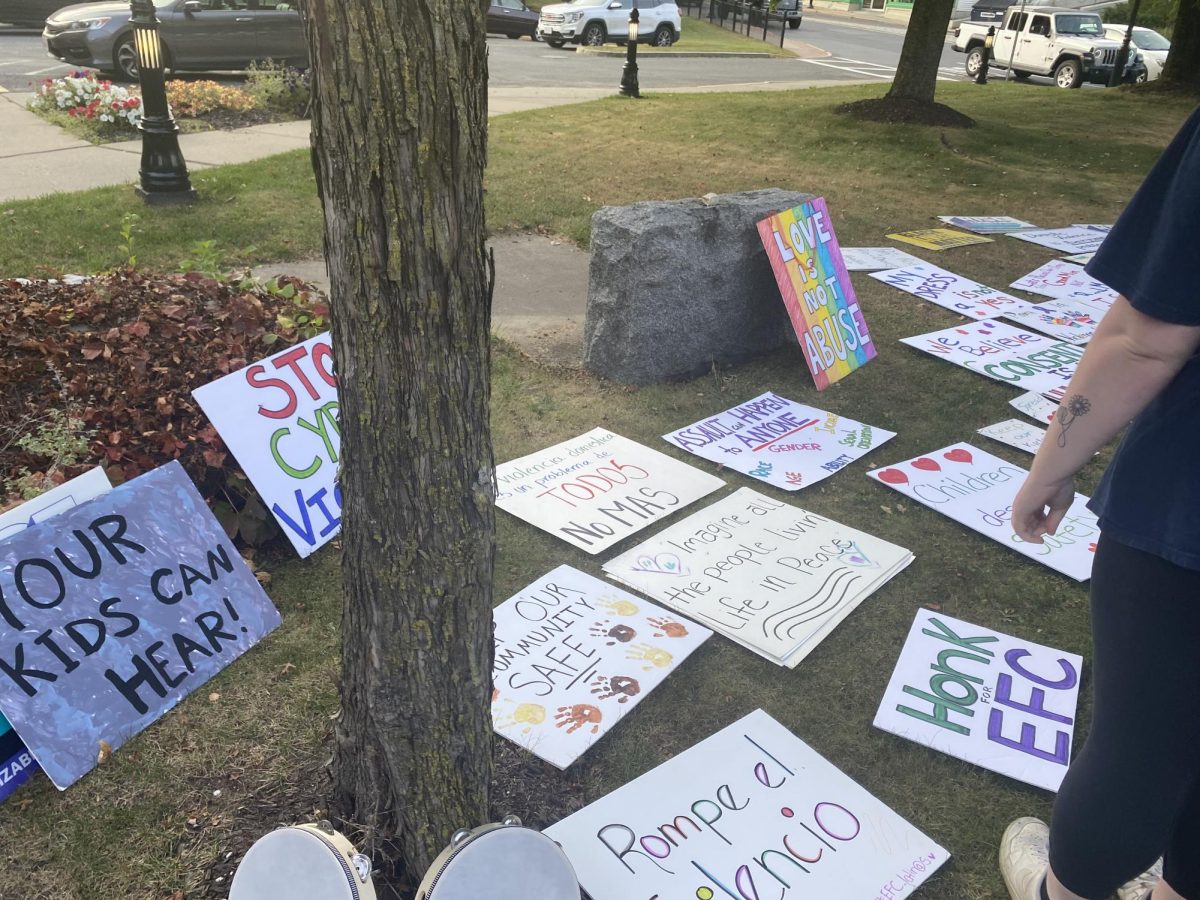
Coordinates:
[939,238]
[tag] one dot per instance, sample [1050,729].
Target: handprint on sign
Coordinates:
[655,656]
[527,714]
[668,628]
[575,717]
[618,606]
[619,633]
[620,686]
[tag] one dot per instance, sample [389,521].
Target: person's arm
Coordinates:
[1130,359]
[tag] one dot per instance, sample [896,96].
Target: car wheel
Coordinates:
[537,37]
[125,58]
[557,45]
[793,24]
[974,61]
[1068,74]
[593,35]
[513,37]
[664,36]
[1142,77]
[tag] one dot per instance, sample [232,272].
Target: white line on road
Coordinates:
[44,71]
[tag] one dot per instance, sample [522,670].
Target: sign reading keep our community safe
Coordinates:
[817,292]
[112,612]
[1003,703]
[279,416]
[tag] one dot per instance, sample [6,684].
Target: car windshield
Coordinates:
[1150,40]
[1088,25]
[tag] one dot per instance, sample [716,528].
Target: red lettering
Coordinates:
[254,376]
[291,359]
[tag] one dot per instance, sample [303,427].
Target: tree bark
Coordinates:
[399,138]
[1183,62]
[916,74]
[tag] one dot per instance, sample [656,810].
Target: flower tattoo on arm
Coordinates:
[1076,406]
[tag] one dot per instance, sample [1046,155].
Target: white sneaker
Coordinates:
[1140,887]
[1025,857]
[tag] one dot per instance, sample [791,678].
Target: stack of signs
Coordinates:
[597,489]
[178,605]
[1016,433]
[938,238]
[817,292]
[977,489]
[871,259]
[751,811]
[780,442]
[1076,239]
[1004,353]
[772,577]
[279,417]
[987,224]
[1035,406]
[961,295]
[573,656]
[16,765]
[1025,694]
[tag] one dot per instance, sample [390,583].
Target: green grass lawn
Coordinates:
[701,36]
[149,822]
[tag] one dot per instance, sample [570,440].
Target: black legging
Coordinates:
[1133,792]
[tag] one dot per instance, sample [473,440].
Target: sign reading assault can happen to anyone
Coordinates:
[780,442]
[112,612]
[750,812]
[598,488]
[976,694]
[279,417]
[817,292]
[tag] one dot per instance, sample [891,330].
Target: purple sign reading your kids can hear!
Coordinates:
[112,612]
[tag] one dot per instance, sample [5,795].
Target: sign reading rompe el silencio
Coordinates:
[112,612]
[817,292]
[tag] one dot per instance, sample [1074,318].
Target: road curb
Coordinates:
[682,54]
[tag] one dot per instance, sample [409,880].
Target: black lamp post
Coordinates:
[629,75]
[164,174]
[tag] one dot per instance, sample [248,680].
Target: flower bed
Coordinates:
[84,96]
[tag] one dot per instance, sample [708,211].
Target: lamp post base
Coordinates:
[166,198]
[629,81]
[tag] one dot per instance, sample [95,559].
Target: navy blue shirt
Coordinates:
[1149,498]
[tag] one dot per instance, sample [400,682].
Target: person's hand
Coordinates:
[1030,517]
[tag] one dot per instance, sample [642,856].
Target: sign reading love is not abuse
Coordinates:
[817,292]
[977,489]
[279,417]
[750,812]
[983,696]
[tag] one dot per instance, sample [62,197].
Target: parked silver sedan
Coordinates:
[197,35]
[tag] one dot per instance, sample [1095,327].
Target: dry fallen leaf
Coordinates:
[214,697]
[104,754]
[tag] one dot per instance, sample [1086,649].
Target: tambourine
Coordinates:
[303,862]
[501,861]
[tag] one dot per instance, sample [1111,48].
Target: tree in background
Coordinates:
[399,137]
[916,73]
[1183,62]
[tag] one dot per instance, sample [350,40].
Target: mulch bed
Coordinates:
[892,111]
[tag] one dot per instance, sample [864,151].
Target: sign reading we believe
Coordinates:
[983,696]
[279,417]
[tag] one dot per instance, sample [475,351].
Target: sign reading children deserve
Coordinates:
[751,812]
[573,656]
[780,442]
[112,612]
[998,701]
[817,292]
[279,417]
[597,489]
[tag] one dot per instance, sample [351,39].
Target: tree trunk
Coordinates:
[1183,62]
[916,75]
[399,138]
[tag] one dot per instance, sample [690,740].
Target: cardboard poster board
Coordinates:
[785,444]
[986,697]
[1076,239]
[1072,321]
[872,259]
[1035,406]
[938,238]
[1016,433]
[772,577]
[1061,280]
[573,656]
[279,418]
[595,490]
[1081,258]
[953,292]
[1002,352]
[976,489]
[751,811]
[987,224]
[113,612]
[817,292]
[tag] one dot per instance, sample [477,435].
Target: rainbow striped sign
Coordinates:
[817,291]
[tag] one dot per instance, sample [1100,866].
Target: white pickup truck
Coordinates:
[1065,44]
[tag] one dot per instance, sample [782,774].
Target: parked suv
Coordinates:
[595,22]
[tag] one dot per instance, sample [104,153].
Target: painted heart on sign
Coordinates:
[958,455]
[893,476]
[929,465]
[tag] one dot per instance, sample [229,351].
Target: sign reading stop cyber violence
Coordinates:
[1000,702]
[279,417]
[112,612]
[817,292]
